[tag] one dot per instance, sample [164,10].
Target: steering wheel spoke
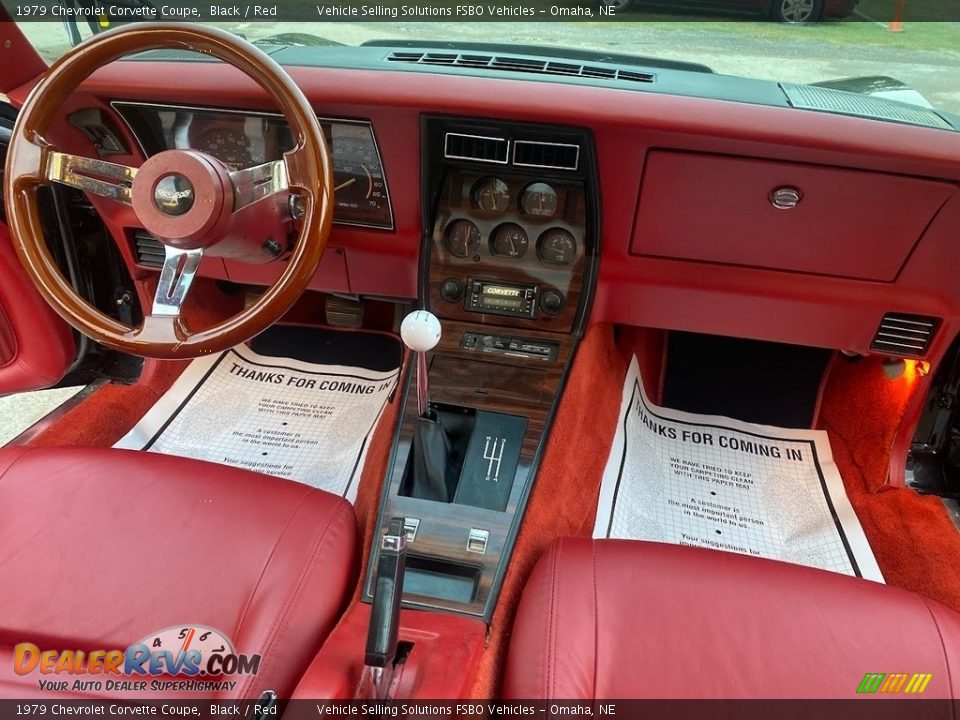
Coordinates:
[176,276]
[258,182]
[99,177]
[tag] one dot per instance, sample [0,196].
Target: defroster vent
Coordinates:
[522,64]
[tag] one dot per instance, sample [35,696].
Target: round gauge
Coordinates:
[462,238]
[539,199]
[557,246]
[490,193]
[228,144]
[509,240]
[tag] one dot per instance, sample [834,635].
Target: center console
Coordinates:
[508,266]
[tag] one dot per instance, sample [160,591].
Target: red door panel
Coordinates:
[21,63]
[36,346]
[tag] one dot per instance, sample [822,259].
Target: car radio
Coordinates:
[484,296]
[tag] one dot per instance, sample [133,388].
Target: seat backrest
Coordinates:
[628,619]
[101,548]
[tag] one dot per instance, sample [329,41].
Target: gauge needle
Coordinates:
[345,183]
[369,182]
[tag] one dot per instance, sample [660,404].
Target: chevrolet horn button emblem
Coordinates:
[173,195]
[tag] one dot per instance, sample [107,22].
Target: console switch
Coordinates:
[451,290]
[551,302]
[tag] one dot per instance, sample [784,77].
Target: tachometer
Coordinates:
[557,246]
[509,240]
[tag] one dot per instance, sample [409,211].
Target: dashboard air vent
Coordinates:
[147,249]
[521,64]
[535,154]
[907,335]
[458,146]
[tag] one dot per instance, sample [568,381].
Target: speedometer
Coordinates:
[228,144]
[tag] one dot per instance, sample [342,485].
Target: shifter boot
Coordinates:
[431,460]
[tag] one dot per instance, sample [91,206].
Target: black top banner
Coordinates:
[107,13]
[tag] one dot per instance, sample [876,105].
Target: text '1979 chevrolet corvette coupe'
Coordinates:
[431,377]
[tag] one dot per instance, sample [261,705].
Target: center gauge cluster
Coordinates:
[526,212]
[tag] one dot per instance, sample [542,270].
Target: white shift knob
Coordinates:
[420,331]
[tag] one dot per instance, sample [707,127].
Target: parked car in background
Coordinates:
[788,11]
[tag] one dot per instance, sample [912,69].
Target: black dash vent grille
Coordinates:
[147,249]
[459,146]
[521,64]
[536,154]
[906,335]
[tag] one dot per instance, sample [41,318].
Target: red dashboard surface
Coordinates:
[754,275]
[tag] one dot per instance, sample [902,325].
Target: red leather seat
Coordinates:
[613,619]
[102,548]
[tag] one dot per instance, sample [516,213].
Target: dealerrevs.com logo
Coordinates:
[181,658]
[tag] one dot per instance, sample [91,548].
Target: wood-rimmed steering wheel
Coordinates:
[190,201]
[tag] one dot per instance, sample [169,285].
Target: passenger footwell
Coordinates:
[710,481]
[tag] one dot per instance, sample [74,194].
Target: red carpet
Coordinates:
[913,538]
[106,415]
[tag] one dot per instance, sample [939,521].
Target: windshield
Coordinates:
[908,50]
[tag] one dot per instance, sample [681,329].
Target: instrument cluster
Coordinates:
[245,139]
[513,217]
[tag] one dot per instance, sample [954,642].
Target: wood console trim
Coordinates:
[444,527]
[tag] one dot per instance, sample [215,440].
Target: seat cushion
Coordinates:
[626,619]
[102,548]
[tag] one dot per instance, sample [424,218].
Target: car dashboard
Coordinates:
[693,201]
[521,206]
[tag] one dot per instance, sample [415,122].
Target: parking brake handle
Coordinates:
[381,646]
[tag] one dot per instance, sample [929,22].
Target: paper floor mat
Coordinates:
[293,419]
[710,481]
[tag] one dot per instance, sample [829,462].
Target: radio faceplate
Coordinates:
[497,298]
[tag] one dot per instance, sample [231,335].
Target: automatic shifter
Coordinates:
[420,331]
